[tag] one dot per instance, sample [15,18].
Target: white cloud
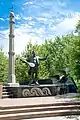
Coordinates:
[28,3]
[20,40]
[31,23]
[4,40]
[41,19]
[17,17]
[2,19]
[66,25]
[24,33]
[39,31]
[61,3]
[27,18]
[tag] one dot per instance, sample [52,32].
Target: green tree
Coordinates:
[77,30]
[3,67]
[62,52]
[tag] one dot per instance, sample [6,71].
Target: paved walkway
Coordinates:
[74,117]
[36,100]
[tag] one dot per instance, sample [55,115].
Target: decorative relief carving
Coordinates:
[46,91]
[36,92]
[26,92]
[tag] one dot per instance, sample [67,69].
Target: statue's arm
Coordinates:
[43,58]
[23,61]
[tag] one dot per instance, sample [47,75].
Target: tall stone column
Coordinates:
[11,71]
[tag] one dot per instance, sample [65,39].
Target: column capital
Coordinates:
[11,35]
[11,53]
[12,21]
[11,14]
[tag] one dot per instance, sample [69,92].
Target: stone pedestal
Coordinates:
[1,90]
[24,91]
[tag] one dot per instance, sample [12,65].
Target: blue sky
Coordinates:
[37,20]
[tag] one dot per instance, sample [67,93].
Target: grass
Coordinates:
[78,96]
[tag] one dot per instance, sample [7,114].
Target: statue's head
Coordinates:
[67,70]
[33,53]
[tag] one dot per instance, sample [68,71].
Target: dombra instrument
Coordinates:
[29,63]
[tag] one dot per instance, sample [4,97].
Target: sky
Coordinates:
[37,20]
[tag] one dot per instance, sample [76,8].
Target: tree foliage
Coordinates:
[3,67]
[63,52]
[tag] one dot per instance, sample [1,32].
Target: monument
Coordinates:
[45,87]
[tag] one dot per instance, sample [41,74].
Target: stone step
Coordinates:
[5,96]
[18,109]
[4,89]
[4,92]
[28,115]
[39,109]
[66,103]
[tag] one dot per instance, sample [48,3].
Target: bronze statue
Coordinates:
[33,62]
[33,71]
